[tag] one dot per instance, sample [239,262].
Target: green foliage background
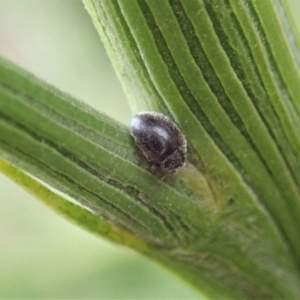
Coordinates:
[41,255]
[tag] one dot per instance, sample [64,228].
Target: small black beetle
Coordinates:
[160,140]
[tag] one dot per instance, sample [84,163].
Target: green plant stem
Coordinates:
[228,223]
[227,73]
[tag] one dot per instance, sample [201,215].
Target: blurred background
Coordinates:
[41,254]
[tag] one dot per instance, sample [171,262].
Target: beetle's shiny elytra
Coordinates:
[160,140]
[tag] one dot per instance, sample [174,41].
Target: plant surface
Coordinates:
[227,73]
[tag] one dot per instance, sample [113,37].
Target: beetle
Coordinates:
[160,140]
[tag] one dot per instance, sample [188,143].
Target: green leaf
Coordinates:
[80,152]
[69,210]
[227,73]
